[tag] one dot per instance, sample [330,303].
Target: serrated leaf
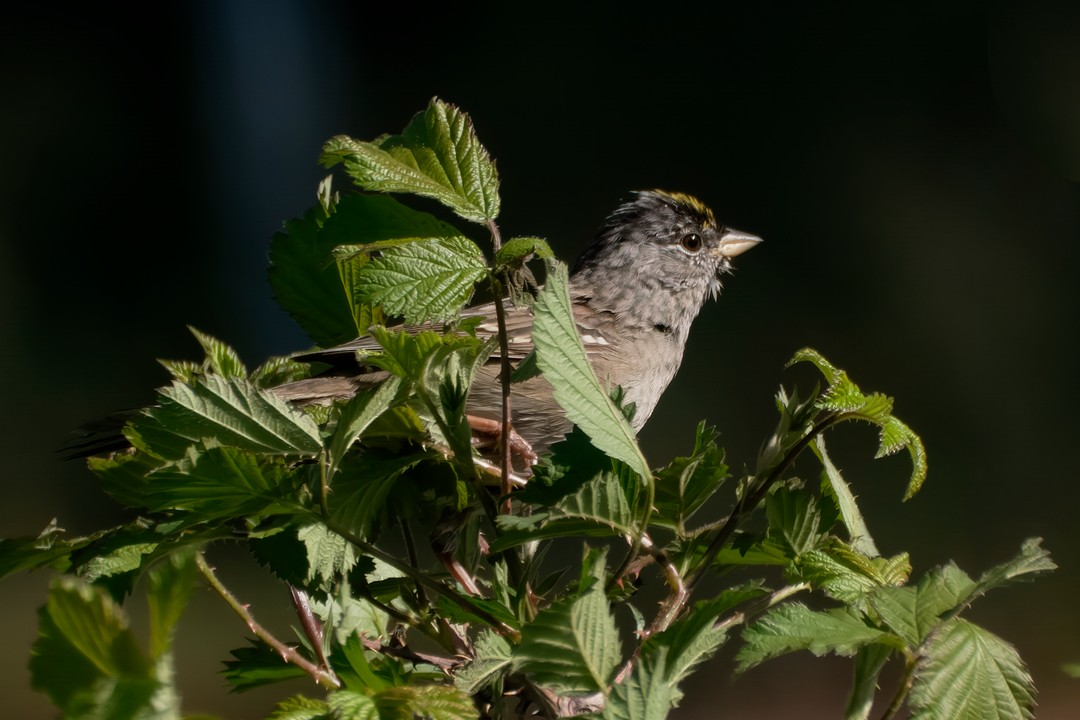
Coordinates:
[222,482]
[120,560]
[493,657]
[299,707]
[357,415]
[794,627]
[330,556]
[429,702]
[349,705]
[599,508]
[847,575]
[648,694]
[968,673]
[306,282]
[361,488]
[687,482]
[278,371]
[428,280]
[225,411]
[1033,558]
[794,519]
[572,646]
[562,358]
[914,612]
[48,549]
[220,358]
[436,156]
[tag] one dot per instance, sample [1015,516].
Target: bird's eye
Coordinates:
[691,242]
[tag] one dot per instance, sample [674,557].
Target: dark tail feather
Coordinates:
[97,437]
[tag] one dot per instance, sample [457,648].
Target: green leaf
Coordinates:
[968,673]
[169,587]
[222,482]
[225,411]
[49,549]
[436,156]
[330,556]
[357,415]
[868,664]
[572,646]
[123,475]
[562,357]
[428,280]
[599,509]
[361,489]
[299,707]
[793,519]
[516,251]
[220,358]
[861,540]
[914,612]
[278,371]
[257,665]
[88,663]
[648,694]
[847,575]
[794,627]
[493,658]
[306,281]
[1033,558]
[349,705]
[431,702]
[687,482]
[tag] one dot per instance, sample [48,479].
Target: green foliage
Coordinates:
[423,580]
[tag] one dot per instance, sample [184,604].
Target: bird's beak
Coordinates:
[735,242]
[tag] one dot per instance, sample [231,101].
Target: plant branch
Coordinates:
[422,578]
[504,373]
[755,495]
[323,676]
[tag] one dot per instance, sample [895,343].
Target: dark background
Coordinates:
[913,170]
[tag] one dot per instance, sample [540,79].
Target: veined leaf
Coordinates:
[562,358]
[221,359]
[357,415]
[351,705]
[968,673]
[493,657]
[516,251]
[573,645]
[648,694]
[221,482]
[427,280]
[299,707]
[914,612]
[437,156]
[794,626]
[169,588]
[432,702]
[225,411]
[1033,558]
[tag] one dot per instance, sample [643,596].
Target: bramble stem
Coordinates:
[504,374]
[905,687]
[323,676]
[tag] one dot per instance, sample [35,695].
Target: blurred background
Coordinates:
[914,171]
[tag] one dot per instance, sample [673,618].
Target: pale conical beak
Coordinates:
[734,242]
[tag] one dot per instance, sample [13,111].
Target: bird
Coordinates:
[635,291]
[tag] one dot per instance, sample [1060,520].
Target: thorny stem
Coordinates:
[323,676]
[422,578]
[504,373]
[754,496]
[906,682]
[310,624]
